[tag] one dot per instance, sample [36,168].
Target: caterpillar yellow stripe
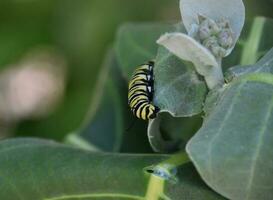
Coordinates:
[140,92]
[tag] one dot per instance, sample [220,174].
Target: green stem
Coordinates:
[176,160]
[214,78]
[250,50]
[155,190]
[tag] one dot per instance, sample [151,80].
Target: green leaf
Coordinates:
[212,100]
[106,123]
[180,92]
[178,88]
[172,75]
[188,49]
[167,133]
[265,65]
[136,44]
[103,126]
[44,170]
[233,148]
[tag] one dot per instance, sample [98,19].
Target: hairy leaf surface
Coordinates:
[233,149]
[180,92]
[264,65]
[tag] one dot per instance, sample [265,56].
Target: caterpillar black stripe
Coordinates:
[140,94]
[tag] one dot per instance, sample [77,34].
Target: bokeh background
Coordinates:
[51,52]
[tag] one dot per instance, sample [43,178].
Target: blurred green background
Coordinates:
[81,32]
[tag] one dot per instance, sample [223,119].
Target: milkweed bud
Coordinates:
[216,36]
[213,45]
[211,42]
[225,38]
[204,33]
[207,28]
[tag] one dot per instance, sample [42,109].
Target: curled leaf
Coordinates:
[264,65]
[188,49]
[169,134]
[175,83]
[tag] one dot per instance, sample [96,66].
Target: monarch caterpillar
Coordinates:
[140,92]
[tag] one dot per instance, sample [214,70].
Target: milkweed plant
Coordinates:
[212,138]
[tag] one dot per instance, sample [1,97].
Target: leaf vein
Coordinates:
[103,195]
[229,111]
[258,147]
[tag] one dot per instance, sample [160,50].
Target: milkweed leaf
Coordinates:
[44,170]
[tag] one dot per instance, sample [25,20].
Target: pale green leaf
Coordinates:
[167,133]
[188,49]
[178,88]
[233,148]
[180,92]
[264,65]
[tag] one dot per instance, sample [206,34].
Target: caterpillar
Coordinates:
[140,92]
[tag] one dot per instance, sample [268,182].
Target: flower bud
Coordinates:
[207,28]
[219,51]
[213,45]
[225,38]
[211,42]
[204,33]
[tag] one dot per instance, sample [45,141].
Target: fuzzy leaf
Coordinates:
[265,65]
[233,148]
[179,92]
[168,134]
[178,89]
[188,49]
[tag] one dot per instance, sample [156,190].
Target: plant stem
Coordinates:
[156,184]
[176,160]
[250,51]
[215,76]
